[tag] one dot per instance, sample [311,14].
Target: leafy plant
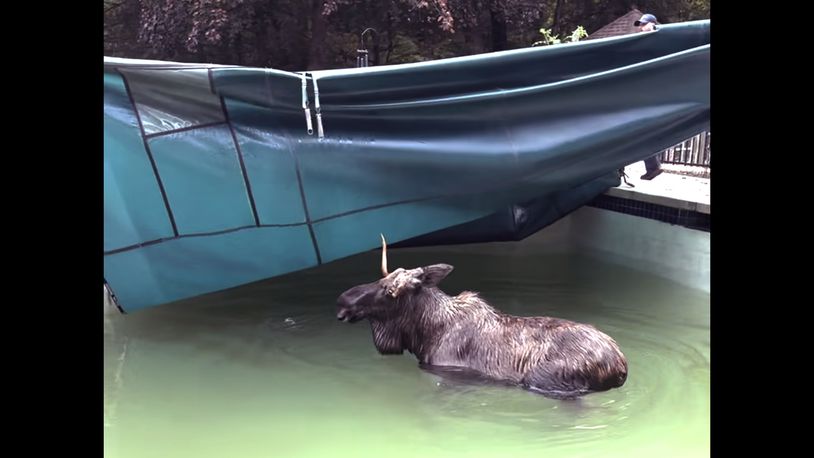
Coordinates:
[550,39]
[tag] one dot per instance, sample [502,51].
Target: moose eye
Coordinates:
[391,291]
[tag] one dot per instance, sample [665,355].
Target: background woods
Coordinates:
[300,35]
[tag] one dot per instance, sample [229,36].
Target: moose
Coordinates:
[554,357]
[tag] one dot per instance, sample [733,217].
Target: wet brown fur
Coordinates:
[556,357]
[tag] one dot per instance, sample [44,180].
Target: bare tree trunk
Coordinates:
[390,44]
[557,16]
[498,22]
[319,27]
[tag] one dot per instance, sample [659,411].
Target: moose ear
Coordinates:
[435,273]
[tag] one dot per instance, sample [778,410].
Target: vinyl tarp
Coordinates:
[212,180]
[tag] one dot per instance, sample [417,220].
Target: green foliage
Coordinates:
[550,39]
[405,50]
[578,34]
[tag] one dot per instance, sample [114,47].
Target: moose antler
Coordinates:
[384,256]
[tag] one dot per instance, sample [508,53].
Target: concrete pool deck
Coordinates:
[668,189]
[670,250]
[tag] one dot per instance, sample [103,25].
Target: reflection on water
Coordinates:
[267,370]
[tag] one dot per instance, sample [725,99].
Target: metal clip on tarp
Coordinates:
[305,105]
[320,132]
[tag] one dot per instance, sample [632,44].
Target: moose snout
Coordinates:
[351,304]
[346,310]
[348,315]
